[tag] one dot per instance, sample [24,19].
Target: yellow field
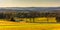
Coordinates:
[9,25]
[29,26]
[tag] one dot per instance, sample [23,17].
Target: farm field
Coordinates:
[9,25]
[29,26]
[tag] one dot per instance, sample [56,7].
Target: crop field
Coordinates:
[9,25]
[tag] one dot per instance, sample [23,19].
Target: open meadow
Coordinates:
[9,25]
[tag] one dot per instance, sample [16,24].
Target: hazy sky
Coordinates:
[29,3]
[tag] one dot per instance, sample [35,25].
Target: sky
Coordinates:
[29,3]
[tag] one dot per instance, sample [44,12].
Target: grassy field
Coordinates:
[9,25]
[30,26]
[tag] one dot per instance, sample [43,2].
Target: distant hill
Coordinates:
[37,9]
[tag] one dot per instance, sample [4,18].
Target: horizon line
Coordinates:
[39,6]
